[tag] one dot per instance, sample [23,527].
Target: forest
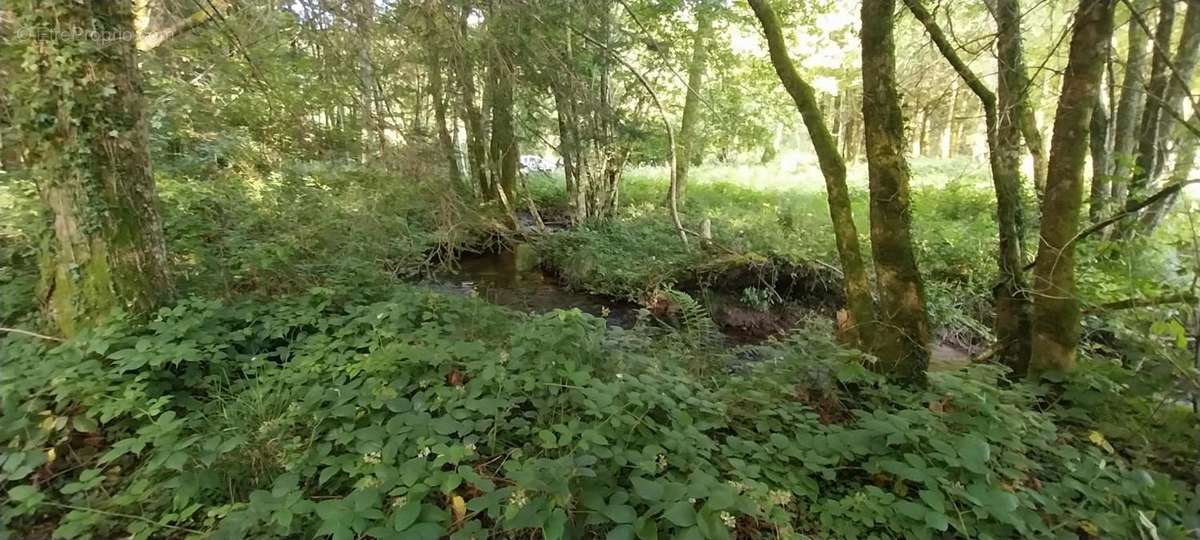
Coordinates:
[619,269]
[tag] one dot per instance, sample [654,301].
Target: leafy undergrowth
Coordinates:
[272,228]
[416,415]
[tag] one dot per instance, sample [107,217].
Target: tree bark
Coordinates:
[477,158]
[373,140]
[1055,308]
[1149,138]
[1100,139]
[1185,159]
[1014,118]
[1004,147]
[504,153]
[903,334]
[1129,110]
[1185,142]
[860,307]
[691,103]
[437,93]
[93,165]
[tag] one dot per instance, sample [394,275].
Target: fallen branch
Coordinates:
[1132,303]
[1130,210]
[31,334]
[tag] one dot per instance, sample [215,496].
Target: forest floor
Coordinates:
[336,376]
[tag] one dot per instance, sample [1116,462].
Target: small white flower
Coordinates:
[692,500]
[424,453]
[518,498]
[399,502]
[372,458]
[661,460]
[728,519]
[780,497]
[470,448]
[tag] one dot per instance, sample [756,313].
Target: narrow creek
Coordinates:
[513,278]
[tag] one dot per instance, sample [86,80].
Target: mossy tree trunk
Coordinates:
[87,135]
[1055,307]
[691,102]
[1129,109]
[860,306]
[902,339]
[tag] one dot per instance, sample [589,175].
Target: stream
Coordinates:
[514,279]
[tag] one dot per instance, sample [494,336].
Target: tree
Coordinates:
[860,306]
[86,131]
[1004,146]
[477,158]
[1056,313]
[902,340]
[1129,110]
[504,153]
[1149,138]
[437,94]
[691,103]
[1186,58]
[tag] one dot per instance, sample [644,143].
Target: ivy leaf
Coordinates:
[621,532]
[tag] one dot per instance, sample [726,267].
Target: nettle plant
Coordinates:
[424,416]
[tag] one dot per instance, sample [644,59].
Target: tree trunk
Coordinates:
[691,103]
[472,117]
[504,142]
[1014,118]
[372,125]
[948,142]
[93,166]
[437,94]
[1185,159]
[1185,66]
[1149,138]
[1099,139]
[1004,147]
[1129,110]
[903,334]
[860,307]
[1055,308]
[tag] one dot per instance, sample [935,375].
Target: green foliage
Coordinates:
[410,414]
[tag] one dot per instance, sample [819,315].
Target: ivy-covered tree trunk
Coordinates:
[1055,307]
[1129,109]
[860,307]
[691,102]
[902,339]
[87,136]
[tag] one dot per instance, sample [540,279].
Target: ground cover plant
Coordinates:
[599,269]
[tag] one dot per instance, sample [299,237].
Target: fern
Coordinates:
[694,320]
